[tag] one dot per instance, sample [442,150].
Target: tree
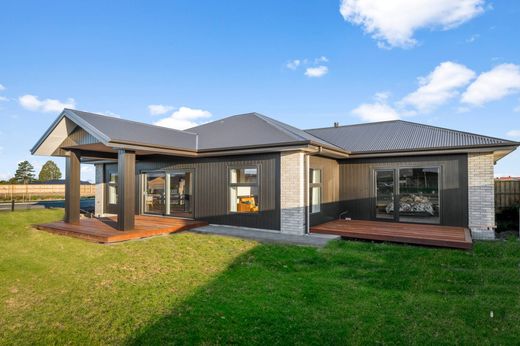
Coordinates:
[25,173]
[50,171]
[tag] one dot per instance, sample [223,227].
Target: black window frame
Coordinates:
[255,184]
[312,185]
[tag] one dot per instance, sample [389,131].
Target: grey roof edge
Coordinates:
[416,124]
[504,146]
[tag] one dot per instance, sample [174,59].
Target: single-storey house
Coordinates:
[250,170]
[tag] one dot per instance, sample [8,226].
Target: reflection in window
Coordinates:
[315,190]
[112,189]
[419,195]
[243,190]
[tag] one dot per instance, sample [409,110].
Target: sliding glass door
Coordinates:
[168,193]
[419,195]
[385,192]
[408,194]
[155,194]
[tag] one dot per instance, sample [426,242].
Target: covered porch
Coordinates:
[430,235]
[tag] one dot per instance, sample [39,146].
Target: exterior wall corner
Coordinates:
[293,193]
[481,195]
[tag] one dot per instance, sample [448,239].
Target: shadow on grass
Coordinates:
[349,292]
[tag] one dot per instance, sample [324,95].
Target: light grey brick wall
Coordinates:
[481,194]
[292,192]
[100,191]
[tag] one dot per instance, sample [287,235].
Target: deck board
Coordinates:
[432,235]
[104,230]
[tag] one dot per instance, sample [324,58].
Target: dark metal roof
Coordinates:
[399,135]
[252,129]
[127,131]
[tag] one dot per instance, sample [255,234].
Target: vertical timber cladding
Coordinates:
[331,205]
[357,184]
[211,188]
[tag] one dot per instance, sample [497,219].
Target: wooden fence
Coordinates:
[11,191]
[507,194]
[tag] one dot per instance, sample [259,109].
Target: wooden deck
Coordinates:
[104,230]
[432,235]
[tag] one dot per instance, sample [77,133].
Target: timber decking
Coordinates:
[104,230]
[432,235]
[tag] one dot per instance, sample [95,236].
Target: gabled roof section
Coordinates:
[399,136]
[117,130]
[252,130]
[112,132]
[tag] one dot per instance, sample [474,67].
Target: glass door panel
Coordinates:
[180,194]
[419,195]
[385,191]
[155,193]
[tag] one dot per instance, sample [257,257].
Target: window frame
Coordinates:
[230,185]
[313,185]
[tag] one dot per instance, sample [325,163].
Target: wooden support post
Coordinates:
[126,185]
[72,187]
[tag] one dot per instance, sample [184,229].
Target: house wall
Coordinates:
[331,205]
[357,184]
[211,189]
[293,192]
[481,190]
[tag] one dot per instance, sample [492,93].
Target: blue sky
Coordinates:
[448,63]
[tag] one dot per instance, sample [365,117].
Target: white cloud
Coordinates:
[293,64]
[159,109]
[472,38]
[184,118]
[321,59]
[493,85]
[3,98]
[2,88]
[516,109]
[316,72]
[33,103]
[513,133]
[394,22]
[439,86]
[376,111]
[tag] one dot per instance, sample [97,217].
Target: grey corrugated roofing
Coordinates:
[399,135]
[251,129]
[127,131]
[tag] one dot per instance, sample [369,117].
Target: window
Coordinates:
[112,189]
[315,190]
[419,195]
[243,190]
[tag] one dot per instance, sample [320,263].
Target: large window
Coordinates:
[243,190]
[419,195]
[315,190]
[408,194]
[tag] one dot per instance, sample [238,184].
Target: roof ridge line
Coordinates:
[270,122]
[352,125]
[131,121]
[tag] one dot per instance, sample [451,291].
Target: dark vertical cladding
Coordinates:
[211,189]
[357,188]
[72,188]
[127,188]
[331,204]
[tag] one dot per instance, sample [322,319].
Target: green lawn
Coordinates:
[192,288]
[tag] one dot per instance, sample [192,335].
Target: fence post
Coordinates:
[12,205]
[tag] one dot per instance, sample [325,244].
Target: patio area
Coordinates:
[430,235]
[104,230]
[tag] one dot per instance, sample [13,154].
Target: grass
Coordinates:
[200,289]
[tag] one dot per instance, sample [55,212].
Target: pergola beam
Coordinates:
[72,187]
[126,186]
